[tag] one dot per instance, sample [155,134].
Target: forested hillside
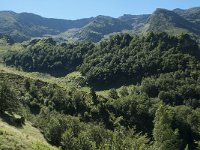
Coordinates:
[100,83]
[152,101]
[44,55]
[125,58]
[122,58]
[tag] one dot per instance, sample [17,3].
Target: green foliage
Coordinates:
[177,88]
[22,138]
[165,137]
[94,96]
[187,120]
[128,140]
[40,146]
[119,59]
[8,100]
[45,56]
[124,91]
[113,94]
[82,142]
[198,144]
[125,59]
[149,87]
[164,69]
[78,135]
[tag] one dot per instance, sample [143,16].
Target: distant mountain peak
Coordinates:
[163,20]
[8,11]
[178,10]
[23,26]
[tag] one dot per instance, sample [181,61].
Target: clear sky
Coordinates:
[75,9]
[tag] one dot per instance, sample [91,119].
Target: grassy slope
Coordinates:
[23,138]
[26,137]
[67,82]
[33,75]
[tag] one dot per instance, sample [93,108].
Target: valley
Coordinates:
[105,83]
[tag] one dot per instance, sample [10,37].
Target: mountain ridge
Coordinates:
[24,26]
[168,19]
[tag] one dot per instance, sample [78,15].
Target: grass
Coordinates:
[33,75]
[70,81]
[23,138]
[105,93]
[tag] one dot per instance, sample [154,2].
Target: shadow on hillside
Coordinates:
[114,84]
[13,120]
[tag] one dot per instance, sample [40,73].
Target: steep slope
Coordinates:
[124,58]
[135,21]
[169,71]
[97,29]
[169,21]
[173,22]
[192,14]
[23,138]
[26,25]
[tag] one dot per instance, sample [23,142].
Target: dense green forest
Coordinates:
[46,56]
[120,58]
[155,108]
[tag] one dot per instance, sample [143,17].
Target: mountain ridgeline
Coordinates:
[24,26]
[170,21]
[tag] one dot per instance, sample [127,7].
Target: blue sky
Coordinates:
[75,9]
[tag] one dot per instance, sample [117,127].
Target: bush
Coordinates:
[8,99]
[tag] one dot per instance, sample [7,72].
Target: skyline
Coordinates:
[76,9]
